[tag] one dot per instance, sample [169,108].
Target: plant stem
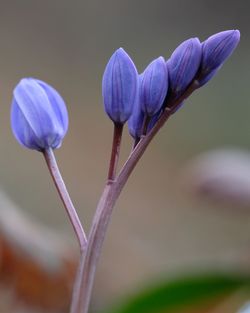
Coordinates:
[107,201]
[116,145]
[64,195]
[77,285]
[74,219]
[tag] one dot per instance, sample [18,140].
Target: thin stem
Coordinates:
[107,201]
[96,237]
[64,195]
[74,219]
[116,145]
[77,285]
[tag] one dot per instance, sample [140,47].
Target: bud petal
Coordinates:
[119,86]
[184,64]
[39,117]
[217,48]
[154,86]
[135,122]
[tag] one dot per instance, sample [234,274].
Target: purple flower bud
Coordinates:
[119,86]
[215,50]
[154,86]
[135,122]
[39,117]
[184,64]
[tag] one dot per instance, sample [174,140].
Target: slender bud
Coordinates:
[119,87]
[135,122]
[184,64]
[39,117]
[215,51]
[154,86]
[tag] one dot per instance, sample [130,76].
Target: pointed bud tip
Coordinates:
[234,32]
[190,41]
[24,82]
[232,35]
[161,59]
[236,35]
[121,51]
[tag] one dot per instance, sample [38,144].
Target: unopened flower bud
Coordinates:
[184,64]
[39,117]
[135,122]
[119,87]
[154,86]
[215,51]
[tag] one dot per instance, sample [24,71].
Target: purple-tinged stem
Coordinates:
[64,195]
[74,219]
[77,284]
[107,201]
[115,152]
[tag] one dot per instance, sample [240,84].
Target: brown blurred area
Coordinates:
[157,228]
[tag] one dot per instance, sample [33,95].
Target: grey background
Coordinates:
[157,228]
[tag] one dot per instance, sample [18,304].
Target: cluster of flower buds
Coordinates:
[141,99]
[39,116]
[39,121]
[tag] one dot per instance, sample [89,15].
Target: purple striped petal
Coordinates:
[154,86]
[39,117]
[119,87]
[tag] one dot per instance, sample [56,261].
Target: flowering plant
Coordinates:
[146,101]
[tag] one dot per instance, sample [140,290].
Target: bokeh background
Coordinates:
[158,228]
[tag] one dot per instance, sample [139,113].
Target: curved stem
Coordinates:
[107,201]
[64,195]
[74,219]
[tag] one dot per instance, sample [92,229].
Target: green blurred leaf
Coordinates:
[182,292]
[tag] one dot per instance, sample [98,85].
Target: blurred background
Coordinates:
[159,228]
